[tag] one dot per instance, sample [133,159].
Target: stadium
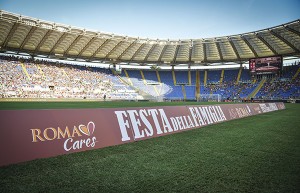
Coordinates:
[90,111]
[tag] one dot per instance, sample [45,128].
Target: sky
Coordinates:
[161,19]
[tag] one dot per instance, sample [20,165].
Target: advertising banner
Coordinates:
[31,134]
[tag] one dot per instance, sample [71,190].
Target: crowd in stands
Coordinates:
[280,89]
[28,78]
[230,90]
[25,78]
[285,86]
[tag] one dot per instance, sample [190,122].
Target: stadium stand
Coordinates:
[40,79]
[28,78]
[25,78]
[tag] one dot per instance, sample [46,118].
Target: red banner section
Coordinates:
[32,134]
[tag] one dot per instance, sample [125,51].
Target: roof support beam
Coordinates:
[148,54]
[162,53]
[204,53]
[190,53]
[175,54]
[267,44]
[86,46]
[113,49]
[62,37]
[130,45]
[234,49]
[28,36]
[292,30]
[138,50]
[100,47]
[219,50]
[249,45]
[72,44]
[42,41]
[10,34]
[284,40]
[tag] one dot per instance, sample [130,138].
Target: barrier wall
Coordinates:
[32,134]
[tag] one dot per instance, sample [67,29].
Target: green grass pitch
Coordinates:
[254,154]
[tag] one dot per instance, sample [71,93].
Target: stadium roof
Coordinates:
[37,37]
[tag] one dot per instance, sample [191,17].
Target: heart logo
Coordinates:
[87,130]
[91,127]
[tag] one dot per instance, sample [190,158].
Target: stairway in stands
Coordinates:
[25,71]
[143,77]
[128,78]
[183,92]
[222,76]
[256,90]
[297,73]
[174,77]
[239,75]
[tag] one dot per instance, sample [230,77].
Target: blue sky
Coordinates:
[163,19]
